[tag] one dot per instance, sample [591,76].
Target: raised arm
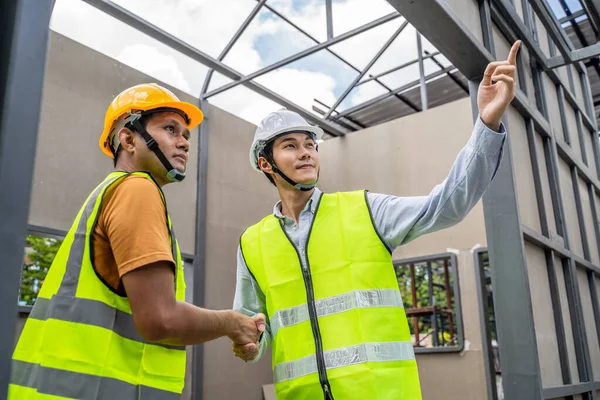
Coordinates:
[402,219]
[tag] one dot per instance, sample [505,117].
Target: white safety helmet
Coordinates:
[276,124]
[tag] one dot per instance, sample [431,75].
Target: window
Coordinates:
[429,289]
[40,251]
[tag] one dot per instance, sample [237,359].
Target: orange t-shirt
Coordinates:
[131,231]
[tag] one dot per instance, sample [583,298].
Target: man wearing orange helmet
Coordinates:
[110,321]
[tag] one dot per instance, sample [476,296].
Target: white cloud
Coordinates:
[150,61]
[209,25]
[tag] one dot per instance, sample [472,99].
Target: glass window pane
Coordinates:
[39,254]
[429,301]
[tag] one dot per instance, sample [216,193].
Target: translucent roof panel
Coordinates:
[402,76]
[217,80]
[319,76]
[362,93]
[245,103]
[205,24]
[93,28]
[430,67]
[402,50]
[308,15]
[350,14]
[267,40]
[360,49]
[557,9]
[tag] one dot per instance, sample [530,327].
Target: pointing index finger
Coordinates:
[512,56]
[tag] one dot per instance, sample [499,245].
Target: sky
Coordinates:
[208,25]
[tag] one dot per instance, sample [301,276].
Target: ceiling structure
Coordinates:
[418,80]
[374,81]
[579,19]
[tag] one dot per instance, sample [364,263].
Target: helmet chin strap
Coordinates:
[304,187]
[173,174]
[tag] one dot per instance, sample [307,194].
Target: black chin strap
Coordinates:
[173,174]
[299,186]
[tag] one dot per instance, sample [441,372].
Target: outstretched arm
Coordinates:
[402,219]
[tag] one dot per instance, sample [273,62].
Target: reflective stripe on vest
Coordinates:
[75,300]
[91,312]
[75,385]
[336,304]
[361,353]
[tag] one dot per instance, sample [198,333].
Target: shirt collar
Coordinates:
[311,205]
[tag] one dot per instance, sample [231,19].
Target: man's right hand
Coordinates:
[245,338]
[247,330]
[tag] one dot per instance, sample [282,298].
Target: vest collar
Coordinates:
[311,205]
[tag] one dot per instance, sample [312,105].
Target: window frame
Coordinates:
[453,270]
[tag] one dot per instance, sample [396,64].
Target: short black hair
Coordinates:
[268,150]
[144,119]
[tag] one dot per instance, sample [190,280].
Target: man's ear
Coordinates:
[127,139]
[264,165]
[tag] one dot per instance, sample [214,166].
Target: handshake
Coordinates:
[246,335]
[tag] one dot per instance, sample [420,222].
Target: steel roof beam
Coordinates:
[143,26]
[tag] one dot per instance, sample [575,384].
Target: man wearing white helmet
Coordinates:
[320,267]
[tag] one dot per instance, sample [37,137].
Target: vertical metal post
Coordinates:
[23,50]
[200,246]
[329,11]
[484,321]
[424,101]
[514,311]
[559,326]
[432,302]
[413,292]
[448,299]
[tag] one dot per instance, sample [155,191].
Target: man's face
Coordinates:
[172,135]
[296,155]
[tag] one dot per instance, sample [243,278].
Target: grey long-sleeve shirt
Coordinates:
[398,220]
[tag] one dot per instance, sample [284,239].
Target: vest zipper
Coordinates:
[312,312]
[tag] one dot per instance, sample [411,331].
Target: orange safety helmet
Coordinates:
[145,97]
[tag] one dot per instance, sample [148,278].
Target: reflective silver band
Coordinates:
[345,356]
[75,385]
[68,286]
[336,304]
[90,312]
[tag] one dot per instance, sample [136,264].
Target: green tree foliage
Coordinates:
[39,253]
[422,294]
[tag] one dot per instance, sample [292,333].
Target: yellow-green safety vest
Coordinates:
[80,341]
[339,327]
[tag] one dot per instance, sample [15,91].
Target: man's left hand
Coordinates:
[497,89]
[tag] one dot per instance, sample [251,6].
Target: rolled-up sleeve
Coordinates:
[250,300]
[400,220]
